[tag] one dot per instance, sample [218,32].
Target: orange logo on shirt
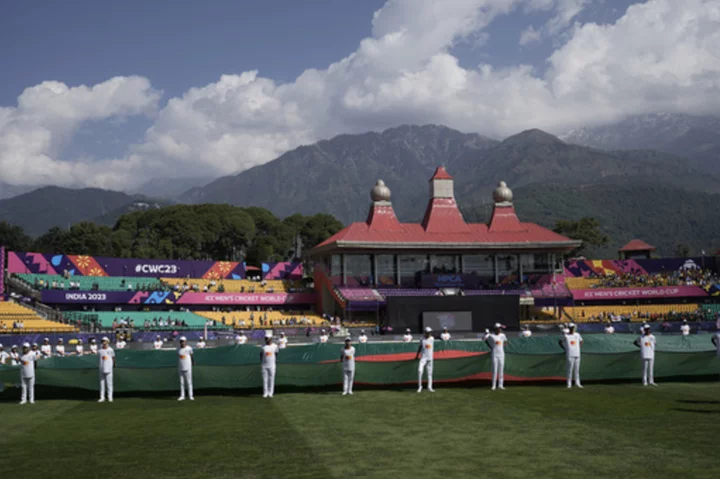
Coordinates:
[647,344]
[498,343]
[349,358]
[427,346]
[268,354]
[25,363]
[182,356]
[572,343]
[104,358]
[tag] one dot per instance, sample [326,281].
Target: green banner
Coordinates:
[604,357]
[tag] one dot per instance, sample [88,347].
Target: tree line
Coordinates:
[192,232]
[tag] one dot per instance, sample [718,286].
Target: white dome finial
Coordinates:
[502,193]
[380,192]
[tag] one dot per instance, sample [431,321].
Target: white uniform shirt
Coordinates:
[324,338]
[427,346]
[37,353]
[572,345]
[46,350]
[4,357]
[79,349]
[647,346]
[241,340]
[120,345]
[268,357]
[60,350]
[200,344]
[526,333]
[609,330]
[685,329]
[282,343]
[407,338]
[498,344]
[106,360]
[14,358]
[445,336]
[93,348]
[27,361]
[362,338]
[717,340]
[157,344]
[348,358]
[185,358]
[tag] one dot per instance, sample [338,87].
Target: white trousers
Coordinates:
[648,371]
[186,383]
[424,362]
[106,385]
[28,385]
[573,370]
[498,377]
[348,379]
[268,375]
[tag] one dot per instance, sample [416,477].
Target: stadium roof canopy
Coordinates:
[636,245]
[443,226]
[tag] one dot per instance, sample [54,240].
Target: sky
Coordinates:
[111,94]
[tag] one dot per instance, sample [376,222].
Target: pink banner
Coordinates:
[638,293]
[247,298]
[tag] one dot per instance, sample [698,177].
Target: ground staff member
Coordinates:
[646,343]
[497,342]
[268,361]
[347,358]
[426,355]
[185,365]
[571,343]
[107,365]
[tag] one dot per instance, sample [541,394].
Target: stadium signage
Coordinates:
[638,293]
[166,297]
[156,268]
[467,281]
[249,299]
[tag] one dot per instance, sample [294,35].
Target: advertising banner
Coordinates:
[168,297]
[2,272]
[37,263]
[246,298]
[638,293]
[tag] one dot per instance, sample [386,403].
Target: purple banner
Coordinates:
[638,293]
[37,263]
[167,297]
[465,281]
[249,299]
[2,272]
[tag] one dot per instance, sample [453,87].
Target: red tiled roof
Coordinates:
[382,217]
[504,219]
[415,233]
[443,216]
[441,174]
[637,245]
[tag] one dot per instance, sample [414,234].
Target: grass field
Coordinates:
[525,431]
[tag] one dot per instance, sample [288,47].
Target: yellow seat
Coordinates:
[11,312]
[274,318]
[634,312]
[237,285]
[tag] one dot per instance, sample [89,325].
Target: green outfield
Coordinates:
[621,430]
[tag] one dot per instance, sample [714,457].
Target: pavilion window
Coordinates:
[336,273]
[444,264]
[358,270]
[386,271]
[410,266]
[507,268]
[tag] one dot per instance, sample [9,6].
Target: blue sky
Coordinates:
[99,93]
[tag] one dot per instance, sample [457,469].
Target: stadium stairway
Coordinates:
[11,312]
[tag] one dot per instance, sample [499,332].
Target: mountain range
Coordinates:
[621,178]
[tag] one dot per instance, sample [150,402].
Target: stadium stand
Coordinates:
[635,313]
[258,319]
[90,283]
[13,314]
[142,320]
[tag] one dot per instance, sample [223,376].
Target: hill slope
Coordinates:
[40,210]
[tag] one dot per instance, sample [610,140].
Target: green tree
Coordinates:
[681,250]
[13,237]
[585,229]
[54,241]
[318,228]
[88,238]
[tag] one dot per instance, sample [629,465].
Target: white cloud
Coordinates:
[564,13]
[660,56]
[33,133]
